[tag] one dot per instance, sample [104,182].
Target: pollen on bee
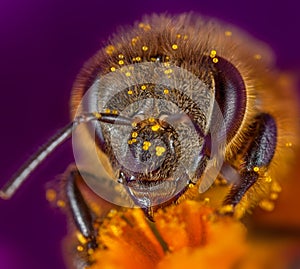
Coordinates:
[146,145]
[145,48]
[155,127]
[228,33]
[274,196]
[112,69]
[257,56]
[267,205]
[130,92]
[138,58]
[79,248]
[107,110]
[81,238]
[166,91]
[276,187]
[160,150]
[168,71]
[121,56]
[121,62]
[144,26]
[143,87]
[51,195]
[174,46]
[215,60]
[226,209]
[151,119]
[110,49]
[134,134]
[127,74]
[288,144]
[61,203]
[206,200]
[115,112]
[213,53]
[134,40]
[178,35]
[90,251]
[256,169]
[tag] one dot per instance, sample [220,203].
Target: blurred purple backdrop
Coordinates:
[43,44]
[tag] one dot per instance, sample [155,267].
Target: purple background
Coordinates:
[43,44]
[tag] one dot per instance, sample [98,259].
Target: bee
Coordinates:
[175,107]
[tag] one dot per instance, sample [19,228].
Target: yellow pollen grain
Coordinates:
[81,238]
[274,196]
[215,60]
[185,37]
[51,195]
[256,169]
[268,179]
[228,33]
[134,40]
[145,27]
[134,134]
[90,251]
[146,145]
[121,56]
[257,57]
[116,230]
[143,87]
[80,248]
[151,120]
[97,115]
[226,209]
[191,185]
[288,144]
[267,205]
[276,187]
[166,91]
[115,112]
[206,200]
[130,92]
[127,74]
[121,62]
[145,48]
[160,150]
[168,71]
[138,59]
[110,49]
[61,203]
[213,53]
[178,35]
[107,110]
[174,46]
[129,142]
[155,127]
[112,69]
[133,140]
[134,124]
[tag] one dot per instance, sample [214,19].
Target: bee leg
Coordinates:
[258,155]
[80,211]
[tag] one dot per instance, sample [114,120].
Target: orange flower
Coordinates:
[187,235]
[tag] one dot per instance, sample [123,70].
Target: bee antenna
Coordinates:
[42,153]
